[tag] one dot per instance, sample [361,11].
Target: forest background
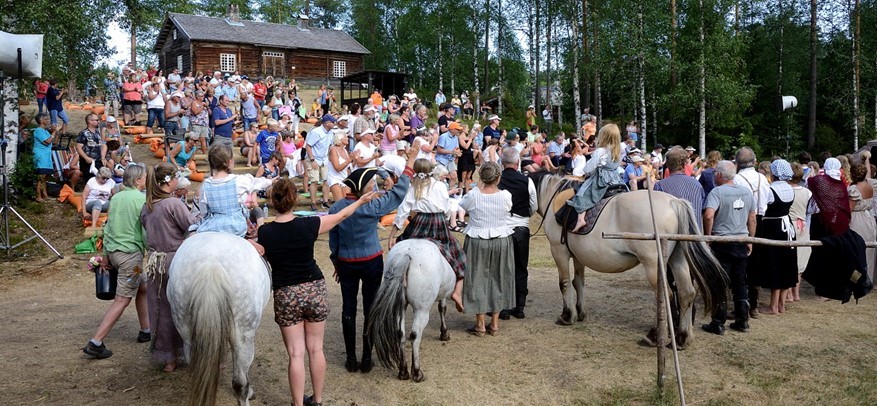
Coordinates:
[706,73]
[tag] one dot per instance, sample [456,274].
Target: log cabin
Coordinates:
[208,44]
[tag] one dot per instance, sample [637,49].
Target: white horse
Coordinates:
[689,262]
[415,273]
[217,288]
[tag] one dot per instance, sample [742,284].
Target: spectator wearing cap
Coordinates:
[492,132]
[317,145]
[448,149]
[184,151]
[173,110]
[223,119]
[230,89]
[634,174]
[245,86]
[681,185]
[531,116]
[366,122]
[365,151]
[356,251]
[657,156]
[446,117]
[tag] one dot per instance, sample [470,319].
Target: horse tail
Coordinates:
[383,324]
[708,274]
[211,322]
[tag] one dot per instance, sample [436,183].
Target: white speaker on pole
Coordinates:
[31,61]
[788,102]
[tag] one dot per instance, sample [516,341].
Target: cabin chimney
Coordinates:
[233,13]
[303,22]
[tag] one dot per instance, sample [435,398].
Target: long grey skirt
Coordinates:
[489,285]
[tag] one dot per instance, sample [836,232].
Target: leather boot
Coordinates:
[348,327]
[366,365]
[741,317]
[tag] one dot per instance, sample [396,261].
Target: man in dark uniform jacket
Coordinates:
[523,206]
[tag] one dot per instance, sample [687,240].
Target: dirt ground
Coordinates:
[817,353]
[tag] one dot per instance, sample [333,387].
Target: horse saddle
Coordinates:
[566,216]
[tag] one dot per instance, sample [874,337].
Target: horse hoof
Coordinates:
[445,337]
[563,322]
[581,316]
[404,376]
[682,340]
[418,376]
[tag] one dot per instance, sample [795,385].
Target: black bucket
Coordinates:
[105,284]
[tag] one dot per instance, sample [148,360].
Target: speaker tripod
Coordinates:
[6,209]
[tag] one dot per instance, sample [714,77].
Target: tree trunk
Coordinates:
[586,52]
[736,18]
[549,29]
[477,106]
[441,71]
[598,103]
[499,81]
[134,45]
[855,48]
[811,117]
[487,48]
[532,34]
[538,49]
[577,99]
[701,123]
[642,80]
[673,28]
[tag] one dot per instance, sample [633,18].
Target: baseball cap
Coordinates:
[367,132]
[494,117]
[636,158]
[689,148]
[245,77]
[345,117]
[328,117]
[176,94]
[111,119]
[368,108]
[455,126]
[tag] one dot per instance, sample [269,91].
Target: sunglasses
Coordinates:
[103,178]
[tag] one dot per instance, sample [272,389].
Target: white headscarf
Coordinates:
[832,168]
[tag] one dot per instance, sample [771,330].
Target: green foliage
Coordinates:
[23,179]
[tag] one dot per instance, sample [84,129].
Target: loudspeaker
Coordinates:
[786,102]
[31,55]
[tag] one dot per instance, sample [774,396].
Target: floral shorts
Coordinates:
[303,302]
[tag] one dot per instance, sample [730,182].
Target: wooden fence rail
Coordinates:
[717,238]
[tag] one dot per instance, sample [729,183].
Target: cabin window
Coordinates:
[339,69]
[227,62]
[175,35]
[180,63]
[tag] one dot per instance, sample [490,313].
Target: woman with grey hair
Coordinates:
[123,250]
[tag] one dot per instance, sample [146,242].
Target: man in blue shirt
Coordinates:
[555,150]
[223,118]
[317,146]
[492,130]
[268,140]
[680,185]
[448,149]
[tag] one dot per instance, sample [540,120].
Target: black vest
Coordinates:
[517,184]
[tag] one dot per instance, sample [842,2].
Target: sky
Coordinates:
[120,40]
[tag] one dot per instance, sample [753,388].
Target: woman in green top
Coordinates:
[124,246]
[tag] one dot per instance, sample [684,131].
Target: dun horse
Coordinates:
[217,288]
[690,262]
[416,273]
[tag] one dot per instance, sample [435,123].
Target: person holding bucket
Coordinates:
[123,249]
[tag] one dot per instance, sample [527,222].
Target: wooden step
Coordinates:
[92,231]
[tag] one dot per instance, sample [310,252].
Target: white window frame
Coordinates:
[273,54]
[339,69]
[228,62]
[175,34]
[180,63]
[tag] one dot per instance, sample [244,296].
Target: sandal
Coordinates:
[474,332]
[456,229]
[492,331]
[462,224]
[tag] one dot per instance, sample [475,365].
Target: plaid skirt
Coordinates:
[434,227]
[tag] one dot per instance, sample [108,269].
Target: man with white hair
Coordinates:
[758,185]
[730,211]
[523,193]
[317,146]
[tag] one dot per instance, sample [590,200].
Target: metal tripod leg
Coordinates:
[7,243]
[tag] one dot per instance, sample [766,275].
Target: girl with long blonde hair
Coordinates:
[601,172]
